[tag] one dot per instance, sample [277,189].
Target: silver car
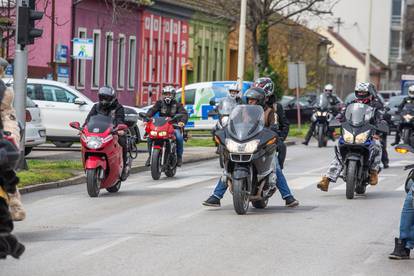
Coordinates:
[35,131]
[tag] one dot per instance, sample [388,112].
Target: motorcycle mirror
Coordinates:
[75,125]
[213,102]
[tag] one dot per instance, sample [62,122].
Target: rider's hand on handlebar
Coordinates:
[121,132]
[181,124]
[376,137]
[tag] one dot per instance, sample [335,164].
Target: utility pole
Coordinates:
[52,43]
[368,53]
[339,23]
[242,43]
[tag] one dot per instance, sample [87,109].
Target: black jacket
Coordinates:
[168,110]
[406,100]
[116,110]
[281,120]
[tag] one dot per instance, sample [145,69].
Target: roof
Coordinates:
[205,6]
[376,64]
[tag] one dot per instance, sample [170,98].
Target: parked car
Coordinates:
[387,94]
[35,134]
[61,104]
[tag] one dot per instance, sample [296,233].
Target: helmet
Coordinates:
[234,91]
[106,96]
[266,84]
[328,89]
[363,90]
[168,94]
[257,94]
[411,91]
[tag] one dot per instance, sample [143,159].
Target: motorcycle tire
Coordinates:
[360,190]
[171,171]
[260,204]
[93,184]
[321,137]
[156,164]
[240,196]
[408,181]
[221,160]
[351,179]
[406,136]
[115,188]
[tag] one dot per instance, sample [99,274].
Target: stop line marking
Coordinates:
[106,246]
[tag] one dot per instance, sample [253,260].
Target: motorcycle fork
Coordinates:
[163,154]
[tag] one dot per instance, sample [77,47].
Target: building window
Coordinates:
[199,63]
[109,51]
[154,69]
[132,55]
[121,62]
[146,60]
[221,65]
[96,62]
[395,44]
[215,65]
[165,62]
[206,64]
[80,66]
[174,62]
[396,12]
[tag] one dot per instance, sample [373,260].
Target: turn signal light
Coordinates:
[401,150]
[271,141]
[28,116]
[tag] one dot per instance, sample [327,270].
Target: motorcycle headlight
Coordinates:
[94,142]
[153,133]
[318,113]
[324,113]
[162,133]
[362,137]
[248,147]
[408,117]
[348,136]
[224,121]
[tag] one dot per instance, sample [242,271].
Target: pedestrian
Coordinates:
[10,124]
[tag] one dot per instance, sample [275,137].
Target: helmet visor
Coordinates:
[361,94]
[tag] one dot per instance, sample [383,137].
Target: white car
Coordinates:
[61,104]
[35,131]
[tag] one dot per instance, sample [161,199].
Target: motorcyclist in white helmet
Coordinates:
[235,93]
[407,100]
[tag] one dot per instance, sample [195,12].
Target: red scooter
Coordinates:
[164,147]
[101,154]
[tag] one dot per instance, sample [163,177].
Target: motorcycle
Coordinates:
[102,154]
[357,137]
[164,147]
[407,124]
[223,110]
[322,116]
[404,149]
[249,151]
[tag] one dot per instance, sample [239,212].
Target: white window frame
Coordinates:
[111,55]
[81,63]
[96,62]
[132,63]
[121,62]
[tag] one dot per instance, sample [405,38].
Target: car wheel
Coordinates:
[61,144]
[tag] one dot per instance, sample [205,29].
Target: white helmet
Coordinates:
[234,91]
[328,88]
[411,91]
[168,93]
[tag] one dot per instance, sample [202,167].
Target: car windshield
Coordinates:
[246,121]
[323,102]
[226,106]
[99,123]
[357,113]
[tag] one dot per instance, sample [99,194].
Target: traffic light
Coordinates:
[26,31]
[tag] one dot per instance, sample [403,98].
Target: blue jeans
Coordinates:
[407,221]
[281,184]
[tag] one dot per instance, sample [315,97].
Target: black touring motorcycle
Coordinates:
[322,116]
[249,154]
[354,146]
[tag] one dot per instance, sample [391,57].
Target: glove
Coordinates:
[181,124]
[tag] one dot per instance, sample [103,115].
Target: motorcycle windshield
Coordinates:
[160,121]
[323,102]
[358,113]
[408,109]
[99,123]
[246,121]
[226,106]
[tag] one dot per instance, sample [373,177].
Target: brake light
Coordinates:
[28,116]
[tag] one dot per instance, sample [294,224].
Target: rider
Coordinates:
[333,103]
[108,105]
[257,96]
[364,94]
[169,107]
[407,100]
[235,93]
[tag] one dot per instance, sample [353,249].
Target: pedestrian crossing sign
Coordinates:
[83,48]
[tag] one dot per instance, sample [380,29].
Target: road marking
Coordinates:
[106,246]
[303,182]
[192,214]
[180,183]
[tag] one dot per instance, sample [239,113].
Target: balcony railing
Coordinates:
[396,20]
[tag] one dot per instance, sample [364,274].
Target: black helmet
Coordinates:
[266,84]
[168,94]
[106,96]
[256,93]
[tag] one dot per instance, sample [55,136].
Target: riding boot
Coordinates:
[323,185]
[16,207]
[373,177]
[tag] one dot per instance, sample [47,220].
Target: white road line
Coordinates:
[303,182]
[106,246]
[180,183]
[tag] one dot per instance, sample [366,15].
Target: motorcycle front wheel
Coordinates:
[321,137]
[351,179]
[240,196]
[93,184]
[156,164]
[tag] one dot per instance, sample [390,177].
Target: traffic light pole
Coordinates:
[19,85]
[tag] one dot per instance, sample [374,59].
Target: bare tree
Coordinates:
[263,14]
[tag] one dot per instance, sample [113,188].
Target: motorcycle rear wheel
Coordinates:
[93,184]
[115,188]
[351,179]
[240,196]
[406,136]
[156,164]
[260,204]
[360,190]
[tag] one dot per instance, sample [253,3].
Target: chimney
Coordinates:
[331,29]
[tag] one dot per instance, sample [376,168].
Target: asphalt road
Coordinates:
[161,228]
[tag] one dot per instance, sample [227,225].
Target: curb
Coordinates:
[80,179]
